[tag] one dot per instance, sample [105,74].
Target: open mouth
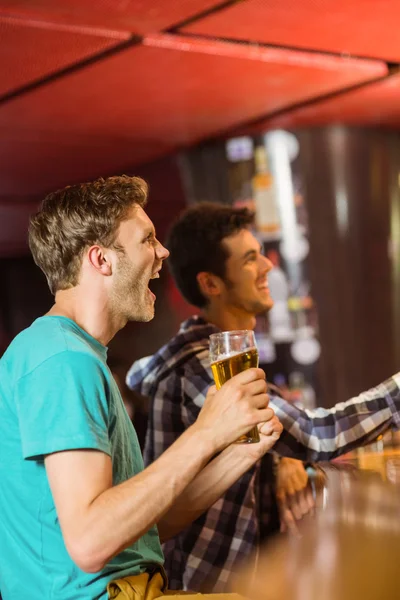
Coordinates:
[264,290]
[156,275]
[263,286]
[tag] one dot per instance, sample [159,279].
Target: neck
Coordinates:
[229,318]
[93,316]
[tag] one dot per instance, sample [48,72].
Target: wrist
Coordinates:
[203,440]
[237,459]
[249,454]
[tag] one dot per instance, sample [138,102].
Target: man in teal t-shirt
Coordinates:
[63,397]
[77,510]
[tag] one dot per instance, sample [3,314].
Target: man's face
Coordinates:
[141,261]
[245,284]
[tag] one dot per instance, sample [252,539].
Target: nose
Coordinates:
[161,251]
[266,264]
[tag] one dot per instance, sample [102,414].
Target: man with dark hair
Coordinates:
[218,266]
[78,512]
[195,242]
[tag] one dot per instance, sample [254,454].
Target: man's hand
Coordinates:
[240,404]
[270,432]
[219,475]
[293,493]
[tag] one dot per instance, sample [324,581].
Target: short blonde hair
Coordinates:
[76,217]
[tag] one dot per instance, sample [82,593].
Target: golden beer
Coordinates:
[226,368]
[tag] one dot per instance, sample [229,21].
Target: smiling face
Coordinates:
[138,263]
[245,286]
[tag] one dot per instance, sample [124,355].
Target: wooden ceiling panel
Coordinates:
[149,99]
[357,27]
[30,51]
[374,105]
[136,16]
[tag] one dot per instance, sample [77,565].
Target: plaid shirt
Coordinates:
[176,379]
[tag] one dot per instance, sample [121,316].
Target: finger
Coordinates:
[288,488]
[273,430]
[281,496]
[253,388]
[248,375]
[295,507]
[260,402]
[310,500]
[277,426]
[302,502]
[287,520]
[263,415]
[271,426]
[306,504]
[266,429]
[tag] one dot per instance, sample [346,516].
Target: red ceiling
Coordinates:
[358,27]
[81,95]
[376,104]
[137,16]
[165,93]
[55,48]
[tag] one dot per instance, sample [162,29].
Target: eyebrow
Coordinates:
[251,253]
[148,233]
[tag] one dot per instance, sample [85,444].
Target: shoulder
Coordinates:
[187,382]
[196,378]
[48,345]
[197,363]
[33,347]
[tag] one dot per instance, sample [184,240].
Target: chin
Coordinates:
[269,304]
[148,317]
[264,306]
[267,301]
[143,317]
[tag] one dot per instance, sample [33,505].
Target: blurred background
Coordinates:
[289,107]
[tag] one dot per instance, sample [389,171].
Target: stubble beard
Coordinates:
[134,301]
[130,297]
[252,307]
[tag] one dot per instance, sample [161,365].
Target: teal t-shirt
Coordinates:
[57,393]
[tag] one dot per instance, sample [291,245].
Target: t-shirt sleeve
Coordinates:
[63,404]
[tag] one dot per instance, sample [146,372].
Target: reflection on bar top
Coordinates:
[349,552]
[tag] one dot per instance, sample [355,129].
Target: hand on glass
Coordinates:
[270,432]
[240,404]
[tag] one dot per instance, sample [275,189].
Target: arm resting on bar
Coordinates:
[323,434]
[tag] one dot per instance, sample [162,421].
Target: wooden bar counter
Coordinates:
[350,550]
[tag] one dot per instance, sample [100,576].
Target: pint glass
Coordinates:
[231,352]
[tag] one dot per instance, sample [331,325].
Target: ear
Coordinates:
[210,285]
[100,259]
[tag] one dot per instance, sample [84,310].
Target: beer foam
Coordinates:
[222,357]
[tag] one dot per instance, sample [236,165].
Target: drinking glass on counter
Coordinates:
[232,352]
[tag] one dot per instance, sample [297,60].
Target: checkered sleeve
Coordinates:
[323,434]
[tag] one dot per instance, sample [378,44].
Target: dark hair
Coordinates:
[195,244]
[76,217]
